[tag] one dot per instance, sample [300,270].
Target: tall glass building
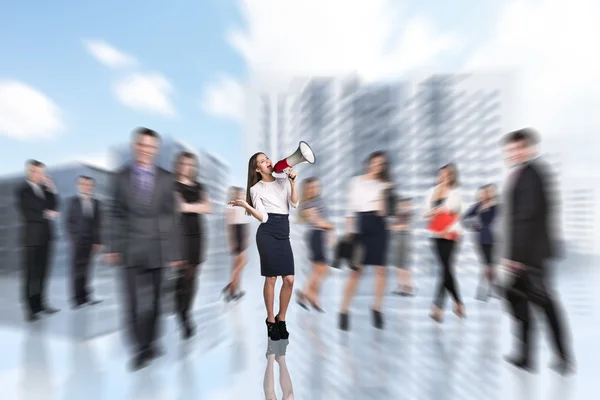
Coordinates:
[65,179]
[421,125]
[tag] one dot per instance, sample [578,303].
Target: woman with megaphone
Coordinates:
[268,199]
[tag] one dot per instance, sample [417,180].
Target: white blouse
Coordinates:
[454,203]
[272,197]
[236,216]
[365,195]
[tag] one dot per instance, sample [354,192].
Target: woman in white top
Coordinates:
[237,240]
[446,198]
[268,200]
[366,216]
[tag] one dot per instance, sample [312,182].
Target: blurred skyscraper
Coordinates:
[421,126]
[459,119]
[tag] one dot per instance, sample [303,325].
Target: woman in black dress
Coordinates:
[237,223]
[367,203]
[268,200]
[194,202]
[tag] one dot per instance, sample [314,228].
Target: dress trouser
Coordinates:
[185,290]
[445,252]
[142,298]
[531,287]
[80,270]
[35,273]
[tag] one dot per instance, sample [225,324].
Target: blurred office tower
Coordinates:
[65,178]
[459,119]
[580,219]
[420,125]
[213,173]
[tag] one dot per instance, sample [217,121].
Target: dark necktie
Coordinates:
[144,185]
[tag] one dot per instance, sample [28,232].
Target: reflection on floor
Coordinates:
[80,354]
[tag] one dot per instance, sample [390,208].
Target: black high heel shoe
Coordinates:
[281,327]
[377,319]
[301,300]
[273,331]
[316,307]
[344,321]
[226,293]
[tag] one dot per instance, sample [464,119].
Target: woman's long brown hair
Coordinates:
[253,177]
[385,172]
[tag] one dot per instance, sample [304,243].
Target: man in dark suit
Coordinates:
[37,202]
[83,224]
[530,246]
[145,236]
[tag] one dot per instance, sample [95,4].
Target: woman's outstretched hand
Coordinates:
[238,203]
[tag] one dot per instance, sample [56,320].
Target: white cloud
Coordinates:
[99,160]
[315,37]
[552,43]
[224,98]
[26,113]
[108,55]
[150,92]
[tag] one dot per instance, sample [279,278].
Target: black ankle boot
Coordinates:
[344,321]
[188,329]
[377,319]
[283,332]
[272,330]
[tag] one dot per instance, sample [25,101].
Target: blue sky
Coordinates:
[189,44]
[185,41]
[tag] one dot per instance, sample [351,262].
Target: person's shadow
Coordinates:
[276,353]
[86,379]
[36,379]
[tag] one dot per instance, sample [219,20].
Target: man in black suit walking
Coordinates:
[145,236]
[83,225]
[37,202]
[530,246]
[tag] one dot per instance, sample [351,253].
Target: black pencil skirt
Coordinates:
[240,232]
[274,247]
[373,236]
[316,244]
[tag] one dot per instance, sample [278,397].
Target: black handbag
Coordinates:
[349,250]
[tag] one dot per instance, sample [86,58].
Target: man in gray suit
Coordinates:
[145,236]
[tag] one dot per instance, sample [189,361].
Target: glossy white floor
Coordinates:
[80,354]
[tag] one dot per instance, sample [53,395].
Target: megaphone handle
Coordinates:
[285,171]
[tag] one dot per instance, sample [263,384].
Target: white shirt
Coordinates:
[272,197]
[236,216]
[87,206]
[453,202]
[37,189]
[365,195]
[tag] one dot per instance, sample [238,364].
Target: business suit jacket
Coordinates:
[74,220]
[145,236]
[529,220]
[36,230]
